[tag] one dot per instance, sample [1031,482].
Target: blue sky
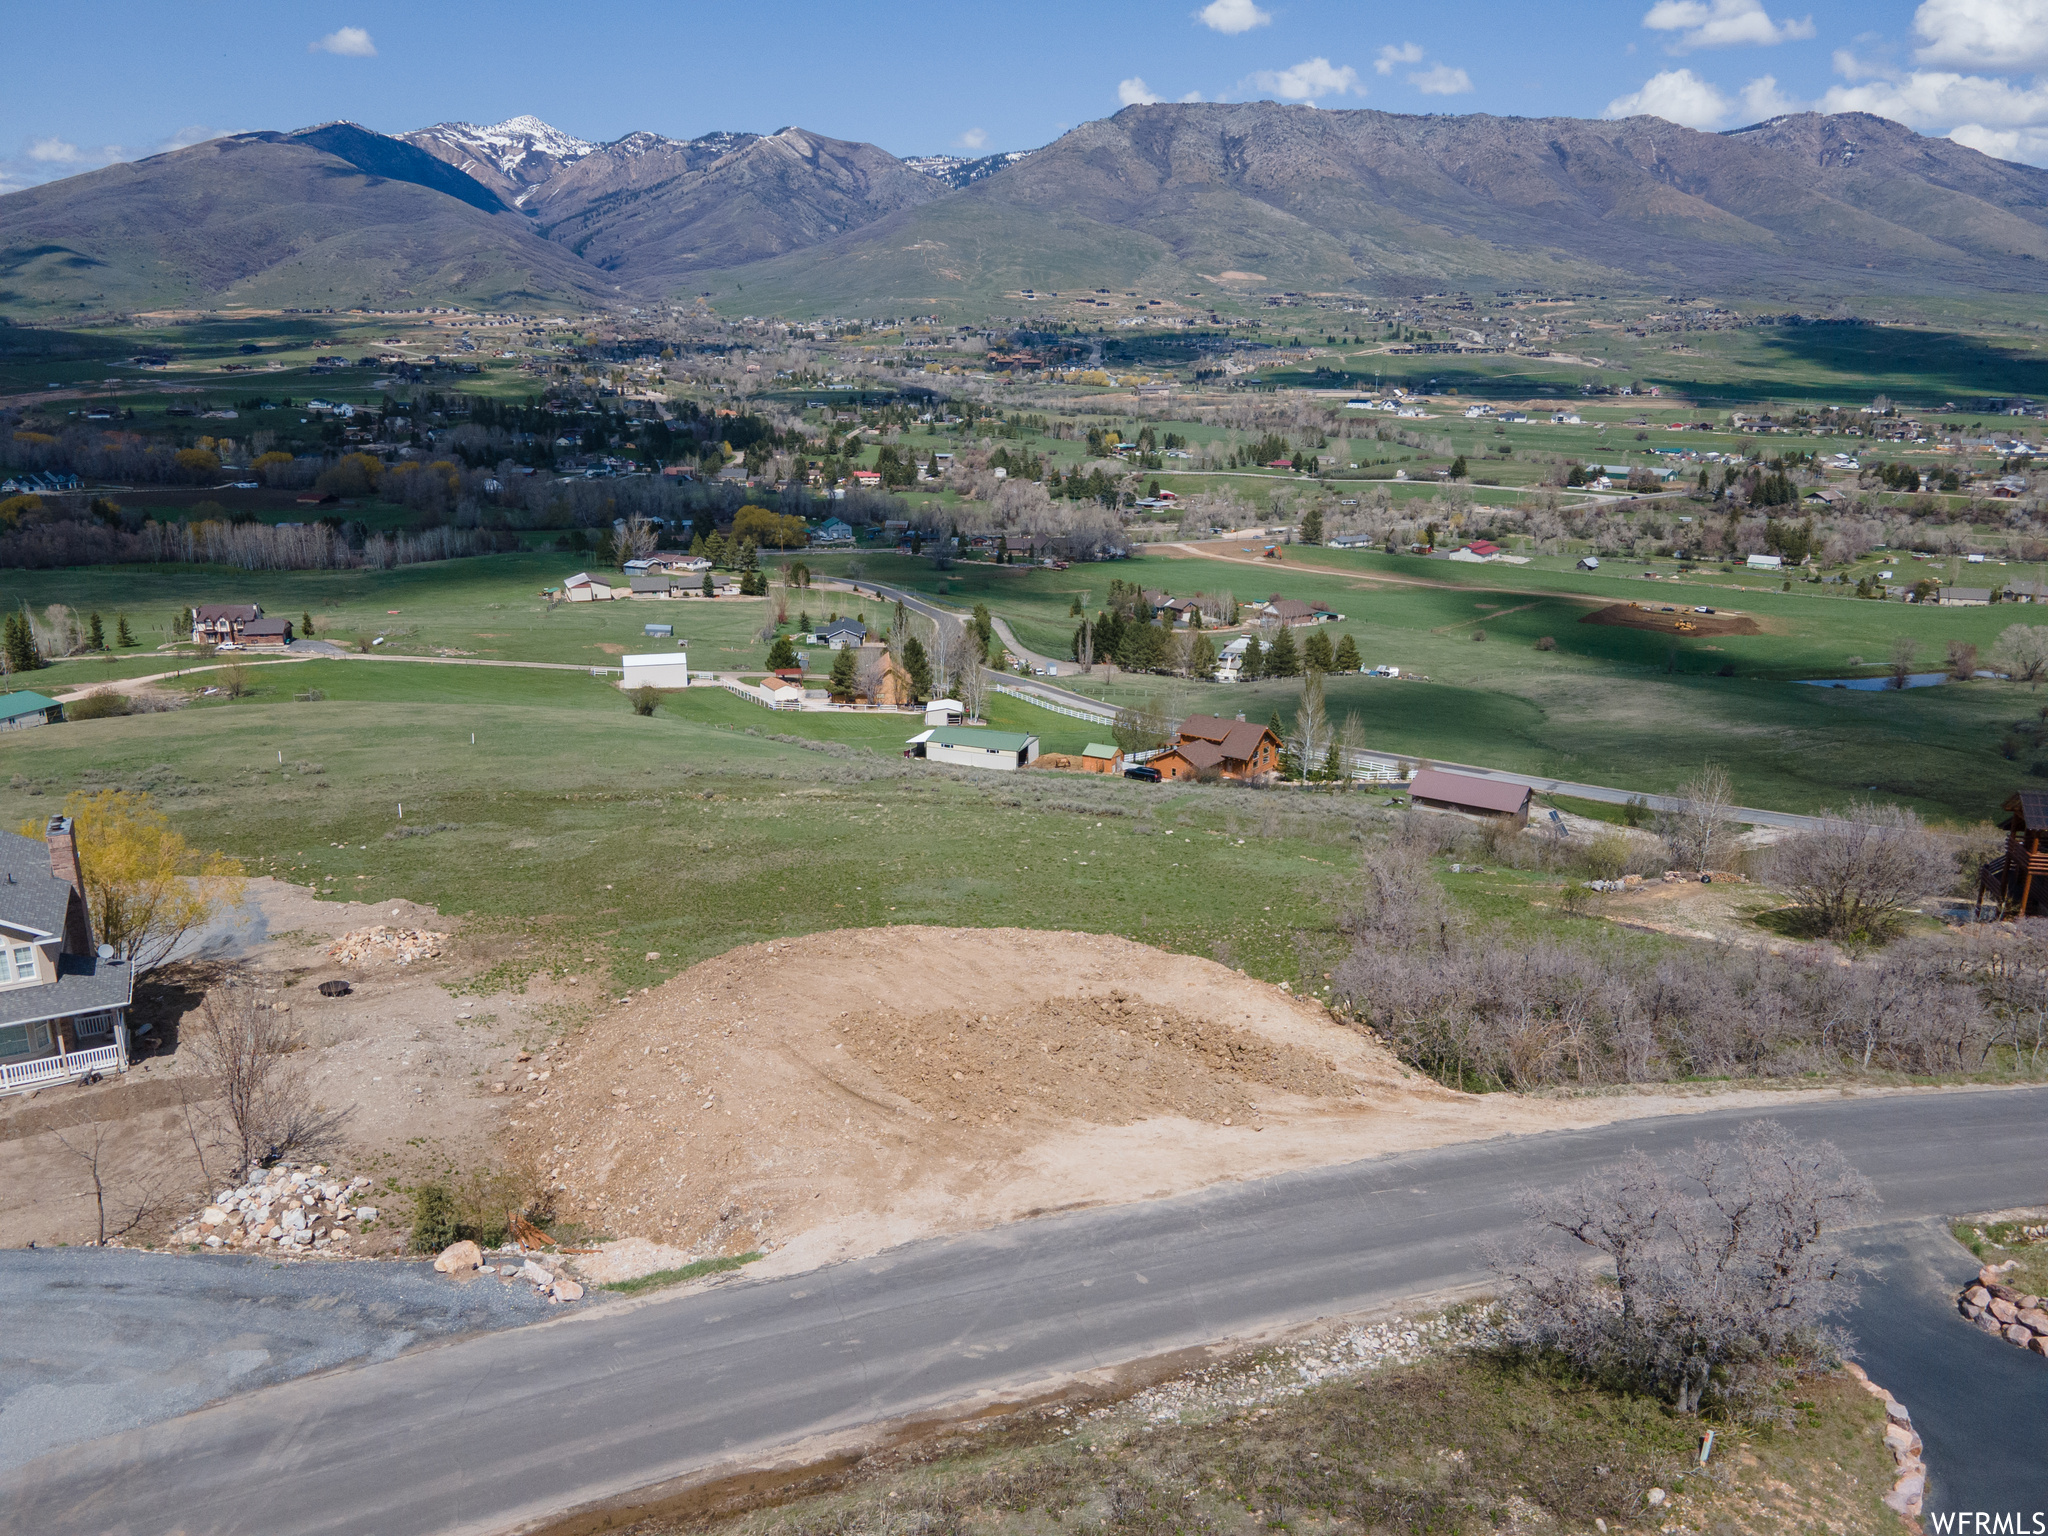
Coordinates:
[119,79]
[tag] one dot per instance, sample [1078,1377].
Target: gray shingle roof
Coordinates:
[29,894]
[84,984]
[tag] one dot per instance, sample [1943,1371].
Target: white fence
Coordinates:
[1104,716]
[20,1075]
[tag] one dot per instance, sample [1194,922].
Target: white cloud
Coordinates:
[1932,100]
[2029,146]
[349,42]
[51,158]
[1762,100]
[1192,96]
[1722,24]
[55,151]
[973,138]
[1134,92]
[1441,80]
[1232,16]
[1983,34]
[1677,96]
[1390,56]
[1308,80]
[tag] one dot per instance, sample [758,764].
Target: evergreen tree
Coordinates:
[1202,657]
[305,626]
[1252,666]
[845,675]
[782,654]
[919,667]
[1333,765]
[1458,467]
[122,634]
[1285,658]
[1317,652]
[19,643]
[1346,658]
[710,586]
[1312,526]
[95,633]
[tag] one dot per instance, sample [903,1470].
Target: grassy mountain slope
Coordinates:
[270,220]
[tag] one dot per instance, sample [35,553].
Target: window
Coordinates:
[18,1040]
[24,963]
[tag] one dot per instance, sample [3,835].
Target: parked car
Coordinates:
[1142,773]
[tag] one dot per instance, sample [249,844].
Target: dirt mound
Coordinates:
[1665,621]
[880,1084]
[383,942]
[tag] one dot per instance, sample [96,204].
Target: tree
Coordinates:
[1317,654]
[123,636]
[91,1143]
[2022,652]
[305,627]
[1457,473]
[1201,656]
[1857,871]
[1141,728]
[146,887]
[1698,829]
[1726,1268]
[1283,660]
[18,643]
[1962,660]
[845,678]
[95,633]
[782,654]
[972,683]
[918,668]
[645,698]
[1252,665]
[1346,658]
[710,588]
[1312,526]
[1901,663]
[1310,740]
[264,1108]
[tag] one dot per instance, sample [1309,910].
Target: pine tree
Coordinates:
[1458,467]
[306,626]
[95,633]
[1252,665]
[845,674]
[1202,657]
[919,668]
[1333,765]
[1317,652]
[1285,657]
[710,587]
[1312,526]
[1347,658]
[122,634]
[19,643]
[782,654]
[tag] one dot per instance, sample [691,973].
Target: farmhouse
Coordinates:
[63,999]
[267,634]
[1228,749]
[1964,597]
[1472,796]
[1290,611]
[841,634]
[969,747]
[652,586]
[222,623]
[24,710]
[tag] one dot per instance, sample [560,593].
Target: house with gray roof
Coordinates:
[64,998]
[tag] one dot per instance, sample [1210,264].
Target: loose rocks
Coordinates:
[286,1209]
[2019,1318]
[369,945]
[460,1258]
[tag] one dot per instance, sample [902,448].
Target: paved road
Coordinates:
[482,1435]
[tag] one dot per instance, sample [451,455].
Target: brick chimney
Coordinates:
[65,866]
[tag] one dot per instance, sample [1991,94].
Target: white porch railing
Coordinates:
[16,1076]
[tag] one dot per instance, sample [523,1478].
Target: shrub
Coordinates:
[433,1218]
[645,698]
[97,705]
[1478,634]
[1547,643]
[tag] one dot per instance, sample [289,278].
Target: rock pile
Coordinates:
[287,1209]
[464,1259]
[1900,1439]
[2021,1320]
[383,942]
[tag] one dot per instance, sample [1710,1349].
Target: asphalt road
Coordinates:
[485,1434]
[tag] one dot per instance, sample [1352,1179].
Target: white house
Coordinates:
[659,669]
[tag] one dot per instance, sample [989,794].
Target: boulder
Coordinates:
[2038,1344]
[212,1216]
[536,1274]
[1977,1296]
[565,1289]
[459,1258]
[2034,1317]
[1972,1311]
[1990,1324]
[1895,1412]
[1907,1492]
[2019,1333]
[2000,1308]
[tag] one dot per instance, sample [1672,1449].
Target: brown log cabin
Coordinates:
[2017,880]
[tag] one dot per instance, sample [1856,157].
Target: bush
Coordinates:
[478,1205]
[645,698]
[433,1218]
[97,705]
[1478,634]
[1547,643]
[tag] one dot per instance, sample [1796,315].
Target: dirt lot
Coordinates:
[835,1095]
[1653,617]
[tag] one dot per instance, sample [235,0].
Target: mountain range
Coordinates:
[1170,198]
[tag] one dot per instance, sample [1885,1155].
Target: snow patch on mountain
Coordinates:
[962,170]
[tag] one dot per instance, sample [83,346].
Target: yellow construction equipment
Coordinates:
[1687,624]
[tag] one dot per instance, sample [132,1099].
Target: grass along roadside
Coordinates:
[1413,1425]
[697,1271]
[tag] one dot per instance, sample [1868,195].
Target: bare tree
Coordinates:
[1726,1267]
[974,684]
[1901,663]
[262,1108]
[1350,743]
[870,666]
[1859,869]
[138,1201]
[637,539]
[1962,660]
[1700,827]
[1309,737]
[2022,652]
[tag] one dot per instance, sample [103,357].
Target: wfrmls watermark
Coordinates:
[1989,1522]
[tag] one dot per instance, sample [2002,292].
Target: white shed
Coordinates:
[944,712]
[662,669]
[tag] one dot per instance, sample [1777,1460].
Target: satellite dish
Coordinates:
[106,951]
